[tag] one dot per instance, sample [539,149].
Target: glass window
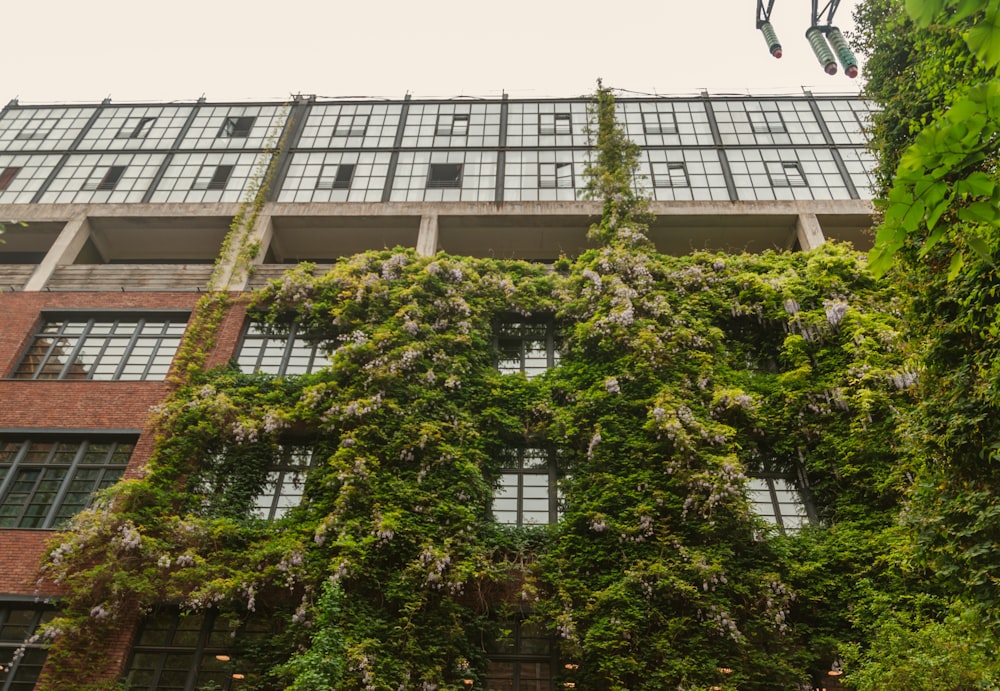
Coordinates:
[351,126]
[444,175]
[559,174]
[659,123]
[186,652]
[526,491]
[280,354]
[136,128]
[237,127]
[7,176]
[37,129]
[555,123]
[103,178]
[527,347]
[779,500]
[20,661]
[786,174]
[335,176]
[452,125]
[520,659]
[669,174]
[43,482]
[766,121]
[119,347]
[212,177]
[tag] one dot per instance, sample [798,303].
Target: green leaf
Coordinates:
[977,184]
[980,247]
[957,261]
[880,259]
[931,241]
[924,11]
[914,215]
[933,215]
[984,39]
[980,212]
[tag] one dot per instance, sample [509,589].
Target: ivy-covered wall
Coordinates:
[678,376]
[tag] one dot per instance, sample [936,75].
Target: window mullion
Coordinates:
[77,347]
[157,344]
[12,471]
[57,501]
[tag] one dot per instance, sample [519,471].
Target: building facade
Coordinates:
[116,216]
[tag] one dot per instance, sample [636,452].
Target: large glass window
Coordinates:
[779,500]
[119,347]
[527,347]
[20,661]
[263,481]
[526,491]
[520,659]
[285,482]
[192,651]
[279,354]
[43,482]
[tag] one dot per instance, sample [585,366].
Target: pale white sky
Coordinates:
[130,50]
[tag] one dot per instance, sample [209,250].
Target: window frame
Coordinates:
[514,465]
[351,129]
[517,657]
[8,175]
[30,662]
[276,507]
[554,180]
[24,369]
[552,356]
[336,181]
[668,180]
[29,133]
[294,344]
[112,175]
[23,463]
[766,123]
[204,182]
[652,122]
[236,127]
[436,182]
[780,177]
[446,125]
[141,129]
[551,123]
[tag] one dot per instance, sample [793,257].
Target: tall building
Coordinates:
[116,215]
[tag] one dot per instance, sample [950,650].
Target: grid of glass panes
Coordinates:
[758,174]
[458,125]
[234,127]
[858,163]
[41,129]
[195,177]
[318,177]
[476,180]
[95,178]
[659,178]
[325,127]
[666,123]
[285,483]
[279,354]
[136,127]
[526,347]
[543,175]
[766,123]
[20,661]
[544,124]
[43,482]
[846,119]
[28,179]
[192,651]
[778,501]
[120,347]
[526,491]
[521,659]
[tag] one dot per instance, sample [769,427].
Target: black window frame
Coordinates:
[558,123]
[104,178]
[22,656]
[764,476]
[778,174]
[343,175]
[219,179]
[351,128]
[439,175]
[653,122]
[140,130]
[41,488]
[770,121]
[670,180]
[292,343]
[162,647]
[73,349]
[448,123]
[514,462]
[236,127]
[517,650]
[555,180]
[504,328]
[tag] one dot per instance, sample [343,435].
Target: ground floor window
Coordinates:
[20,661]
[520,659]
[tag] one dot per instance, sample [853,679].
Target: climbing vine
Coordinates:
[678,377]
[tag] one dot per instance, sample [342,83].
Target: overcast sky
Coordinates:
[71,51]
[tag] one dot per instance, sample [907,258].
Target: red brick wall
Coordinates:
[20,551]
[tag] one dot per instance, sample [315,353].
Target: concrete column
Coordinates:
[427,239]
[64,250]
[233,274]
[808,232]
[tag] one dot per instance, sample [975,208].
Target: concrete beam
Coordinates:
[233,273]
[427,237]
[64,250]
[809,232]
